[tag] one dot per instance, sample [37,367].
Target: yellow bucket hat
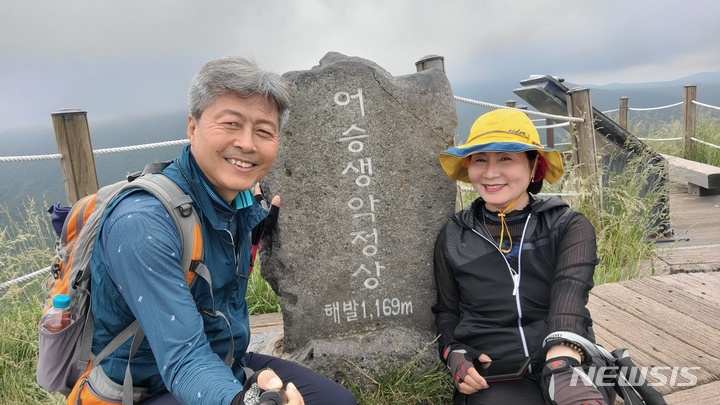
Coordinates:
[502,130]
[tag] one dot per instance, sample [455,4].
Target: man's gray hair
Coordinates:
[239,76]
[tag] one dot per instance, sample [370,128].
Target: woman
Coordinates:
[513,268]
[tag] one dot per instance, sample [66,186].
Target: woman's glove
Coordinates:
[459,359]
[565,382]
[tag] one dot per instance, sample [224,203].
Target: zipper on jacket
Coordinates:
[515,275]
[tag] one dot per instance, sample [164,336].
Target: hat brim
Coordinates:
[452,159]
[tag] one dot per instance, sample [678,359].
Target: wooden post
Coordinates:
[510,103]
[583,138]
[549,133]
[429,62]
[623,112]
[689,119]
[72,136]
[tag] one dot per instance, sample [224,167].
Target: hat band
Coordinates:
[502,136]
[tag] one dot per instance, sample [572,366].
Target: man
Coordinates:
[236,115]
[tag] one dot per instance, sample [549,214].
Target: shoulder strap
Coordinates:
[179,206]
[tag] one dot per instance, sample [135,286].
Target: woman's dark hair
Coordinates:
[535,186]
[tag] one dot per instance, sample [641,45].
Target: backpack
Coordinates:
[65,355]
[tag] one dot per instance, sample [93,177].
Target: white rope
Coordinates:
[706,105]
[659,139]
[95,152]
[539,114]
[140,147]
[8,159]
[705,143]
[562,124]
[655,108]
[467,189]
[26,277]
[610,111]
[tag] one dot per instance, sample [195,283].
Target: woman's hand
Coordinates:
[474,382]
[459,360]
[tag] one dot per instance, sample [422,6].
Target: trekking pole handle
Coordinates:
[649,394]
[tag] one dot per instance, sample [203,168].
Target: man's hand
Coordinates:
[459,359]
[267,225]
[269,381]
[263,381]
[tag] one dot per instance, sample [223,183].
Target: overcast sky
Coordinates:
[133,57]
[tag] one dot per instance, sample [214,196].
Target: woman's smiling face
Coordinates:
[500,177]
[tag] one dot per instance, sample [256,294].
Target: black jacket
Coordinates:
[478,302]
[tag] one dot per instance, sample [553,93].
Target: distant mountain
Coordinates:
[603,97]
[697,78]
[655,94]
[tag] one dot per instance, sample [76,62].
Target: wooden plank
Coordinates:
[653,347]
[270,320]
[701,174]
[692,259]
[640,357]
[668,320]
[693,217]
[683,301]
[699,395]
[703,285]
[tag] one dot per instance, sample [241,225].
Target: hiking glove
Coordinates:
[252,394]
[565,382]
[459,359]
[266,226]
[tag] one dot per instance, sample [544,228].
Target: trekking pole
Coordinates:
[649,394]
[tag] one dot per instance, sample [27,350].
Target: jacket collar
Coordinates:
[466,217]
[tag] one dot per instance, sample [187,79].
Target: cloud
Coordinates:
[135,57]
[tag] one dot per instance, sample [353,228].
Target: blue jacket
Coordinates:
[136,274]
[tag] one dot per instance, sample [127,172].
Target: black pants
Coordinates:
[517,392]
[316,389]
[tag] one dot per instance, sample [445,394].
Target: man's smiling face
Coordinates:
[235,142]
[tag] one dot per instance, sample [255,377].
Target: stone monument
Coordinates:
[363,199]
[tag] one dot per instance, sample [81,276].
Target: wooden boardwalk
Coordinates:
[670,318]
[670,321]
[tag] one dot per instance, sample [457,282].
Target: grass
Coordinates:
[26,245]
[707,129]
[405,384]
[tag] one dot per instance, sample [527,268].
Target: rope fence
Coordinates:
[57,156]
[27,277]
[528,112]
[565,122]
[706,105]
[694,139]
